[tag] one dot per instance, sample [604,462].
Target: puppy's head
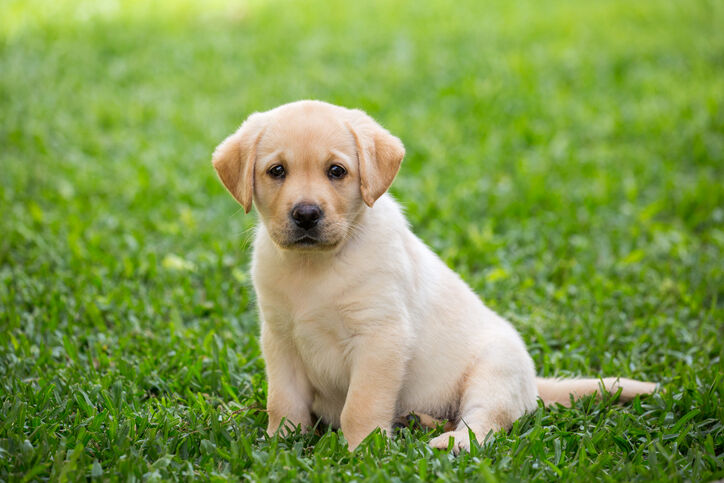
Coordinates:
[310,168]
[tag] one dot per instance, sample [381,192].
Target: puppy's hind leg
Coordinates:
[493,397]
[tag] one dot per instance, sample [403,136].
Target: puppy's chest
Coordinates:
[322,343]
[311,316]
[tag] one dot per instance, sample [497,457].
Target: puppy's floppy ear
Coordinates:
[235,157]
[380,155]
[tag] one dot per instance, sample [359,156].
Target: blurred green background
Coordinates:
[564,157]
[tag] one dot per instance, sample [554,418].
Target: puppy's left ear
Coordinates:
[380,155]
[235,157]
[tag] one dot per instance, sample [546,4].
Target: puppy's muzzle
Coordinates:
[306,215]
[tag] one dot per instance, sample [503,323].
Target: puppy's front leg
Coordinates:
[377,371]
[289,391]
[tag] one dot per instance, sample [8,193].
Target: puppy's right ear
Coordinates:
[235,157]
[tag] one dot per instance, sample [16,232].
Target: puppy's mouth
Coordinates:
[309,241]
[306,240]
[319,238]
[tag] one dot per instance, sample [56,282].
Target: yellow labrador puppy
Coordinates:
[361,321]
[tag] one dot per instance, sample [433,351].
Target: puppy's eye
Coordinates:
[336,172]
[277,171]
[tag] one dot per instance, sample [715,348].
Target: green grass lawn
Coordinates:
[566,158]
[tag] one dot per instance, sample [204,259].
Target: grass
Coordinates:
[565,157]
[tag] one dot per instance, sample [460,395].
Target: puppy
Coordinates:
[361,322]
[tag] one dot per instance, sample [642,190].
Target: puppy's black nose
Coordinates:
[306,215]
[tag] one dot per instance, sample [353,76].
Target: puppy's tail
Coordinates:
[553,391]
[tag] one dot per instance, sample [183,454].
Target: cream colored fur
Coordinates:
[368,324]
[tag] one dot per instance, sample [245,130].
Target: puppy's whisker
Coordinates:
[246,236]
[243,233]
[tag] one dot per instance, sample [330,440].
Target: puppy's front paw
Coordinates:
[355,439]
[284,427]
[461,440]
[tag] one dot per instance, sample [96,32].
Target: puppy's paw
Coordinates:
[461,441]
[282,431]
[285,427]
[354,439]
